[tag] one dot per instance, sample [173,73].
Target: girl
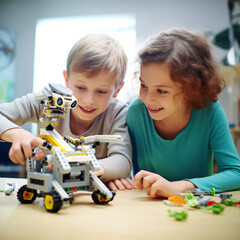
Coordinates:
[177,126]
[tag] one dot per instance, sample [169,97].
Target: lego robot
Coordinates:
[73,159]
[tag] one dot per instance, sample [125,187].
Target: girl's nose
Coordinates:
[149,97]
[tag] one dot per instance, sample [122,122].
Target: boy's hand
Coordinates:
[23,143]
[117,184]
[157,186]
[121,184]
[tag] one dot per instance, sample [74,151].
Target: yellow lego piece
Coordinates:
[75,155]
[52,141]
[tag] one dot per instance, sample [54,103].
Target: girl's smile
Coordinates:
[154,110]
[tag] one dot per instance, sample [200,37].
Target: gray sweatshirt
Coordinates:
[115,158]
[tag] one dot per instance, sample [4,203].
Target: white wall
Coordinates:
[20,16]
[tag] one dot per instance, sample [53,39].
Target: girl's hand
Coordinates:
[157,186]
[23,143]
[121,184]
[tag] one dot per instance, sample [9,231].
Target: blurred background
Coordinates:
[36,36]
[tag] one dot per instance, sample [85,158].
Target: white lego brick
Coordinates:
[65,167]
[60,190]
[39,181]
[94,162]
[100,186]
[79,159]
[10,187]
[103,138]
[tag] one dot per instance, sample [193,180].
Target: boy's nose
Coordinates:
[89,99]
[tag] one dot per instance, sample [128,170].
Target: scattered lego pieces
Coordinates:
[210,203]
[212,191]
[179,216]
[200,199]
[9,188]
[199,192]
[216,209]
[237,203]
[230,201]
[177,200]
[225,196]
[168,203]
[191,200]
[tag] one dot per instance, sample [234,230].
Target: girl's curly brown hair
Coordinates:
[189,57]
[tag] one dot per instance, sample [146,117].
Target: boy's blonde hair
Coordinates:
[96,52]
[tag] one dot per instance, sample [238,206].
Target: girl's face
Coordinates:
[163,97]
[92,92]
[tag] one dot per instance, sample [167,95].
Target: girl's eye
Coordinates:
[161,91]
[143,86]
[102,91]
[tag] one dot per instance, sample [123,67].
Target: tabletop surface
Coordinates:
[131,215]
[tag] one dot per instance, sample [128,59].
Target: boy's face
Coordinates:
[92,92]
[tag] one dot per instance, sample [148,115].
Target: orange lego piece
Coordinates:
[177,200]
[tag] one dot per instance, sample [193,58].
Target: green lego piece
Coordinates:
[216,209]
[230,201]
[179,216]
[191,200]
[212,190]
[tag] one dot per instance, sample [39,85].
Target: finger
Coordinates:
[27,149]
[50,167]
[40,155]
[119,185]
[154,191]
[16,155]
[131,182]
[138,178]
[149,180]
[37,141]
[13,158]
[126,184]
[148,191]
[112,186]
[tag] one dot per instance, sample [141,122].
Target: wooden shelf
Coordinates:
[235,130]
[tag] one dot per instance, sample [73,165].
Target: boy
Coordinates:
[96,67]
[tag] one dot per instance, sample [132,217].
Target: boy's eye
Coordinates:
[80,88]
[143,86]
[161,91]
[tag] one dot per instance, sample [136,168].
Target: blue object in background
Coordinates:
[7,167]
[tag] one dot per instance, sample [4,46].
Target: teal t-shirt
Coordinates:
[190,154]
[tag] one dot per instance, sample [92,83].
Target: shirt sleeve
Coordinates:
[225,154]
[20,111]
[118,162]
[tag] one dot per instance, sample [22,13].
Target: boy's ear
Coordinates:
[117,91]
[66,78]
